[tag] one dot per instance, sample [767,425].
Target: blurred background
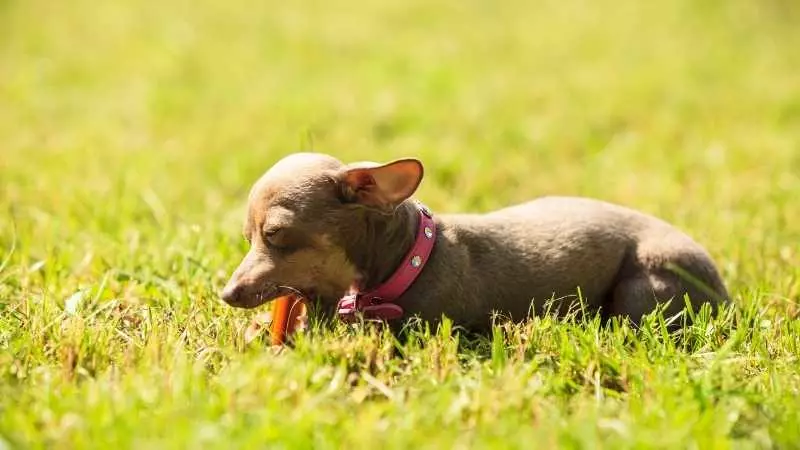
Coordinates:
[130,131]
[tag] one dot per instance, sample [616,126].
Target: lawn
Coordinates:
[131,131]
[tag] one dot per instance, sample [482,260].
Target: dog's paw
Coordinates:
[258,325]
[261,323]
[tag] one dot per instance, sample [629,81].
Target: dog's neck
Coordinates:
[387,239]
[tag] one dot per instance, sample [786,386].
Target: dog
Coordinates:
[344,234]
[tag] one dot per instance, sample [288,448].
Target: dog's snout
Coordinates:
[230,293]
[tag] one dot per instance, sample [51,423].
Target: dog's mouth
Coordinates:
[303,294]
[270,293]
[253,296]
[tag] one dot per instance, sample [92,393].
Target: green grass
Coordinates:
[130,132]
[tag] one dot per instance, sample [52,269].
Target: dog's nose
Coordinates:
[230,294]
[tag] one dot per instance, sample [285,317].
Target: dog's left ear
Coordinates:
[381,185]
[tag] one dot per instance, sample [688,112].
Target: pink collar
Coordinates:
[378,303]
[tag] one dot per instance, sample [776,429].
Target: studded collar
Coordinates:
[379,303]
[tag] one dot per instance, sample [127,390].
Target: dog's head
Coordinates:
[301,214]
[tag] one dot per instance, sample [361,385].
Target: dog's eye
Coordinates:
[274,238]
[284,239]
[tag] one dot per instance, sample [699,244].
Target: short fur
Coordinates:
[319,226]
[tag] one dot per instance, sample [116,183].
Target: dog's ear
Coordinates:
[380,185]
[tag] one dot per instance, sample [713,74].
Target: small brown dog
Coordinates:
[324,229]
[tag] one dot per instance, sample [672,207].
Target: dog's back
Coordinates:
[621,260]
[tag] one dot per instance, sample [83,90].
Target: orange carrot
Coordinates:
[286,311]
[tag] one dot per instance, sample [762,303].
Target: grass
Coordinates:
[130,132]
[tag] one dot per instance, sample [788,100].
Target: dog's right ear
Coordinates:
[380,185]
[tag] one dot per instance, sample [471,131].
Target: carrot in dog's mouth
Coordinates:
[285,316]
[286,313]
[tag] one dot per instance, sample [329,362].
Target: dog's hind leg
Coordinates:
[642,289]
[640,294]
